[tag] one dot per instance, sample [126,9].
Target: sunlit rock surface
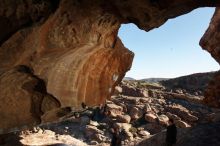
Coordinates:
[71,48]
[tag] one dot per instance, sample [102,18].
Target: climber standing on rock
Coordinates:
[171,133]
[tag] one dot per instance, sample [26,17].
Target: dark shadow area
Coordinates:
[10,139]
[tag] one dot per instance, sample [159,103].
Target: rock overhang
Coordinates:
[73,47]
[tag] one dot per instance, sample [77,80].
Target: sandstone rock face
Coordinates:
[212,92]
[27,103]
[210,39]
[77,54]
[73,48]
[210,42]
[16,15]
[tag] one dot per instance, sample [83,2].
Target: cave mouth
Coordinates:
[171,50]
[172,53]
[76,52]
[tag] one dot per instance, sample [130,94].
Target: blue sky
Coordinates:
[171,50]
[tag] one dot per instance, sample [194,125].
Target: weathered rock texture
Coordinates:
[195,83]
[210,42]
[72,49]
[212,92]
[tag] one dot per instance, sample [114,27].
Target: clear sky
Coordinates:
[171,50]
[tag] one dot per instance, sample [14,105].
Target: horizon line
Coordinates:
[171,77]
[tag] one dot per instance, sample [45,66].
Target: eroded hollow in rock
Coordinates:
[73,47]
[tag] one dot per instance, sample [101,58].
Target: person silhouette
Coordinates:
[171,133]
[84,106]
[116,138]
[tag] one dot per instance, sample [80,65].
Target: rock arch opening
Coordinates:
[72,47]
[171,50]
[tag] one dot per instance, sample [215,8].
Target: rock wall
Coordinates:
[210,42]
[71,49]
[212,92]
[77,55]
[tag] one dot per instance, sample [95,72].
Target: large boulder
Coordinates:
[123,126]
[163,119]
[150,117]
[144,133]
[172,116]
[123,118]
[114,109]
[118,90]
[181,124]
[136,113]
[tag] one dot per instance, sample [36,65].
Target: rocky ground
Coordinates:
[139,109]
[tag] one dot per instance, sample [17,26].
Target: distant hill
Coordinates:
[128,79]
[191,83]
[150,80]
[154,80]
